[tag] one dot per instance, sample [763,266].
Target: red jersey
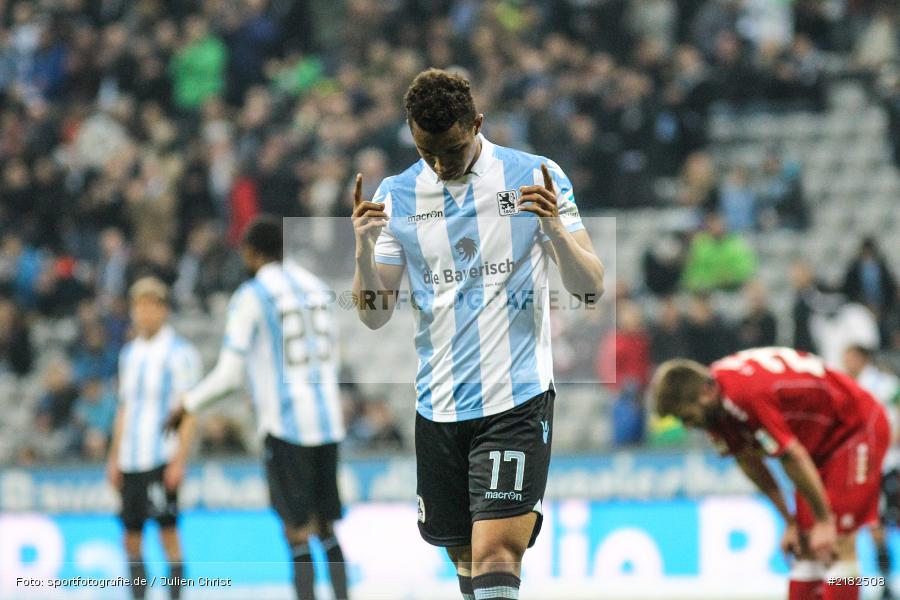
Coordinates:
[773,396]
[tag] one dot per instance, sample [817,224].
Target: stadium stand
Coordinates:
[140,137]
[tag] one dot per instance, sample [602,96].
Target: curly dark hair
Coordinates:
[437,99]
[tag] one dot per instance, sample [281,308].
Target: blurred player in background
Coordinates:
[885,387]
[280,330]
[145,464]
[461,222]
[830,435]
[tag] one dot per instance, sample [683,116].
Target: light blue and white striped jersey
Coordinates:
[281,331]
[153,372]
[478,274]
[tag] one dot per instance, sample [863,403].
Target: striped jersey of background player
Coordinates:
[281,332]
[145,464]
[481,221]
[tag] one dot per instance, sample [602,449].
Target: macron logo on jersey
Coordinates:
[434,214]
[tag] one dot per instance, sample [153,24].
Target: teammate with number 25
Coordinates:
[280,331]
[475,225]
[830,435]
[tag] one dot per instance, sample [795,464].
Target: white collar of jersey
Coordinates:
[163,335]
[271,266]
[481,165]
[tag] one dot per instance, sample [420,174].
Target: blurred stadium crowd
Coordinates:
[141,136]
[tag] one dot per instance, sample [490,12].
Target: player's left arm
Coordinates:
[581,269]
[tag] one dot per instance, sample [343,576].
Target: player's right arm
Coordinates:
[113,472]
[799,467]
[753,466]
[228,374]
[375,283]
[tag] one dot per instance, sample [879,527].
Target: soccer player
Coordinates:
[281,331]
[474,225]
[885,387]
[830,435]
[146,465]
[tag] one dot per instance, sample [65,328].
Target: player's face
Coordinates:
[148,315]
[252,260]
[853,363]
[704,412]
[449,154]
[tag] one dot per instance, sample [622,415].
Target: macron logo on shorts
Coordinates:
[421,509]
[545,425]
[503,496]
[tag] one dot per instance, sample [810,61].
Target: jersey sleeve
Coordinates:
[242,320]
[565,198]
[187,369]
[388,250]
[123,358]
[751,395]
[773,434]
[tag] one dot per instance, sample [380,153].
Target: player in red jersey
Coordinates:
[830,435]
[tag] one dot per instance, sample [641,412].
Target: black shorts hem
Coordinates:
[445,542]
[133,527]
[490,515]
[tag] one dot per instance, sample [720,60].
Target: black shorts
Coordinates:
[488,468]
[890,498]
[302,481]
[144,496]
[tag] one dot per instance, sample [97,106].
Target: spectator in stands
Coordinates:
[781,199]
[624,354]
[717,259]
[801,72]
[93,357]
[20,268]
[113,266]
[668,338]
[663,263]
[737,201]
[54,411]
[16,354]
[698,187]
[59,288]
[869,281]
[384,434]
[878,43]
[758,327]
[889,91]
[623,364]
[95,411]
[709,336]
[370,425]
[198,67]
[810,296]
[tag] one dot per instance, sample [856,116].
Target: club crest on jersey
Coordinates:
[466,248]
[507,202]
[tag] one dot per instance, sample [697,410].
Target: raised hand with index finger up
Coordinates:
[368,219]
[541,200]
